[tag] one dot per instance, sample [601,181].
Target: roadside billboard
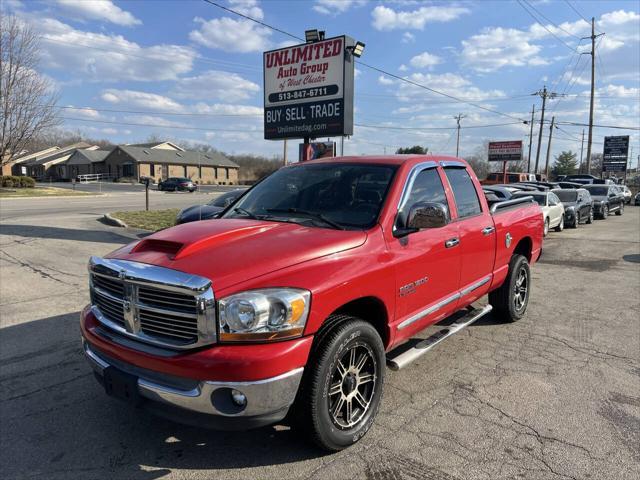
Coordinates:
[308,90]
[615,153]
[506,151]
[316,150]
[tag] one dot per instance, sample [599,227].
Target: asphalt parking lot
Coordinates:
[554,396]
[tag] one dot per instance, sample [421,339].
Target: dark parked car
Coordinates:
[172,184]
[565,184]
[583,178]
[209,210]
[606,199]
[503,193]
[636,201]
[578,206]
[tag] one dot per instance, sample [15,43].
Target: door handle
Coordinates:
[488,230]
[452,242]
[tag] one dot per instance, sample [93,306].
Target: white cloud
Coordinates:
[382,80]
[216,85]
[403,68]
[497,47]
[84,112]
[153,120]
[99,10]
[248,7]
[106,57]
[335,7]
[227,109]
[449,83]
[134,98]
[425,60]
[385,18]
[408,37]
[231,35]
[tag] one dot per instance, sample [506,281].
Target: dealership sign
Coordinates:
[308,90]
[615,154]
[505,151]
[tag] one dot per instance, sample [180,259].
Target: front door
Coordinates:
[427,270]
[476,233]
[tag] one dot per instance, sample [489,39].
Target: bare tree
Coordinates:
[27,100]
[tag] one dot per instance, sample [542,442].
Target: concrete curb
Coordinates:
[115,222]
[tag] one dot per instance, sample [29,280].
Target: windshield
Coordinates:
[327,195]
[566,195]
[599,191]
[541,199]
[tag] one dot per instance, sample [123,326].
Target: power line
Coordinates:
[389,127]
[576,10]
[406,80]
[618,127]
[548,20]
[545,27]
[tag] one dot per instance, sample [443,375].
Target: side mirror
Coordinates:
[424,215]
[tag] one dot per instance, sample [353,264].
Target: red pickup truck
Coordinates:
[292,303]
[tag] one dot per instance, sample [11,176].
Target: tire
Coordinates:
[605,212]
[560,226]
[511,299]
[590,219]
[331,384]
[620,210]
[576,221]
[545,232]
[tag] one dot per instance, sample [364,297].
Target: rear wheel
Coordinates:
[590,219]
[560,226]
[511,299]
[342,387]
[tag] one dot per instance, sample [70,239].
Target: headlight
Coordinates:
[262,315]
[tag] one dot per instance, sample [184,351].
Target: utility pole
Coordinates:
[458,118]
[581,150]
[285,152]
[546,167]
[544,94]
[593,85]
[533,111]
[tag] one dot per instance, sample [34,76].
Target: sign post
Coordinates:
[615,154]
[507,151]
[308,90]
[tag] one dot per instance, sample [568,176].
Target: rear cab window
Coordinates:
[464,192]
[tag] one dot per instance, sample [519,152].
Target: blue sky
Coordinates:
[188,70]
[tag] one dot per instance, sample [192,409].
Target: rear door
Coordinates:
[476,232]
[427,268]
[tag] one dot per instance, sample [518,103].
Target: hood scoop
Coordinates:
[158,246]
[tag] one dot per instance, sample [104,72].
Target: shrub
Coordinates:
[12,181]
[7,182]
[27,182]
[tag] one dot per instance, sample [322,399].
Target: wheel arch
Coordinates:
[370,309]
[524,247]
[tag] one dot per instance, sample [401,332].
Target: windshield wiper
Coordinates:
[314,215]
[246,212]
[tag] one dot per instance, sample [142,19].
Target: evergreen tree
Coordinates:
[566,163]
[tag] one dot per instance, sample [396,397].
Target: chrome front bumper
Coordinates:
[270,397]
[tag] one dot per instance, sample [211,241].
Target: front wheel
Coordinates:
[620,210]
[342,387]
[545,232]
[576,220]
[605,211]
[560,226]
[511,299]
[590,219]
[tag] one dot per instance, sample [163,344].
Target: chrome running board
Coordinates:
[405,358]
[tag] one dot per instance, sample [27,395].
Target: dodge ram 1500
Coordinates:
[292,303]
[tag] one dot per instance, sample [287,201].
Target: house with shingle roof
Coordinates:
[161,163]
[51,165]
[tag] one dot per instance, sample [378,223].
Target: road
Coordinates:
[112,187]
[554,396]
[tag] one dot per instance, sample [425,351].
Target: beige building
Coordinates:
[52,165]
[18,166]
[162,162]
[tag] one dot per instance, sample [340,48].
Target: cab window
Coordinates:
[464,192]
[427,187]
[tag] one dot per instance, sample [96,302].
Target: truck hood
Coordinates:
[230,251]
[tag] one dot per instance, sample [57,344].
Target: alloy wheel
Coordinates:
[352,387]
[520,290]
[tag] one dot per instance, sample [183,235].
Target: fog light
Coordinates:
[239,398]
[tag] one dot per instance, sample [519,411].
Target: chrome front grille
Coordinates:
[153,304]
